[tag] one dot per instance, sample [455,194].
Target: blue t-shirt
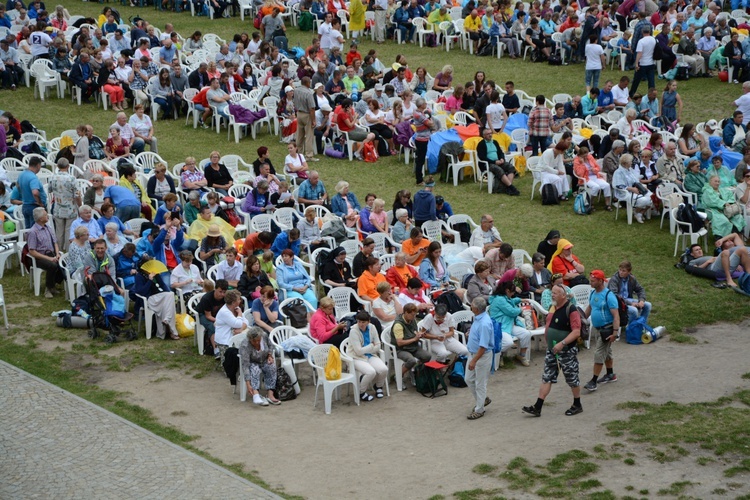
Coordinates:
[605,98]
[28,182]
[601,303]
[103,221]
[168,54]
[258,307]
[121,197]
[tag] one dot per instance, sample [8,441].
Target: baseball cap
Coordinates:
[713,124]
[288,89]
[379,87]
[598,274]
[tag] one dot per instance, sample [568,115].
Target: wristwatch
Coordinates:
[563,343]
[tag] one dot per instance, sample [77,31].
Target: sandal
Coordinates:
[487,401]
[474,415]
[366,397]
[609,208]
[574,410]
[379,392]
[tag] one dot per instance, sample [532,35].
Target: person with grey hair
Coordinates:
[115,241]
[689,50]
[422,120]
[256,357]
[62,187]
[480,346]
[85,218]
[43,247]
[627,183]
[258,199]
[193,206]
[611,160]
[401,229]
[705,46]
[94,195]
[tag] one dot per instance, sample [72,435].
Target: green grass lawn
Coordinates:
[600,241]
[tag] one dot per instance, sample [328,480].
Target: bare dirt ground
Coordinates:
[413,447]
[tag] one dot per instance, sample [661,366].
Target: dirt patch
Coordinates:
[420,447]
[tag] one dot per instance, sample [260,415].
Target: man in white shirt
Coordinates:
[230,269]
[486,236]
[229,321]
[743,103]
[324,30]
[441,332]
[620,93]
[39,42]
[645,67]
[126,132]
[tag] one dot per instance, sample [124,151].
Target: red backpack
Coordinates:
[369,154]
[258,19]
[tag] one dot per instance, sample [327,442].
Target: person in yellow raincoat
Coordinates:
[199,228]
[356,18]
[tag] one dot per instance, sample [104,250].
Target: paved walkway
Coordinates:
[54,444]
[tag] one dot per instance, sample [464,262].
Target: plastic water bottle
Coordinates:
[355,94]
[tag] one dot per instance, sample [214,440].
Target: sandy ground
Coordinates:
[415,447]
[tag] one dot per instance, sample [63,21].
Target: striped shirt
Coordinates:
[42,239]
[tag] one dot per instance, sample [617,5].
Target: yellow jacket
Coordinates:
[124,182]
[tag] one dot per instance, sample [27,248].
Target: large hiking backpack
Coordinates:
[688,213]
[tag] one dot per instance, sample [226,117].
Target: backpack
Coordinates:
[333,364]
[464,231]
[549,195]
[456,378]
[465,280]
[451,301]
[622,309]
[497,345]
[486,50]
[683,72]
[582,204]
[284,390]
[369,154]
[658,52]
[321,260]
[743,283]
[335,230]
[28,127]
[429,382]
[554,60]
[258,19]
[296,312]
[688,213]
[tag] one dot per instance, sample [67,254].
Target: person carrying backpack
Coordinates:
[603,313]
[563,330]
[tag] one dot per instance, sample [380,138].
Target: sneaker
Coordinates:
[259,400]
[217,354]
[532,410]
[48,294]
[522,360]
[591,386]
[608,378]
[639,218]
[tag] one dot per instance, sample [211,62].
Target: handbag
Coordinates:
[606,332]
[731,209]
[643,190]
[296,312]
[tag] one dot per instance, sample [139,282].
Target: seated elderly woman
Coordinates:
[114,240]
[256,356]
[541,277]
[625,124]
[258,200]
[627,183]
[364,348]
[78,248]
[294,280]
[153,288]
[695,180]
[336,270]
[440,331]
[266,309]
[186,277]
[717,168]
[482,283]
[253,280]
[345,204]
[400,272]
[553,170]
[108,216]
[723,212]
[611,160]
[323,325]
[402,227]
[505,309]
[568,265]
[368,281]
[588,172]
[386,308]
[309,231]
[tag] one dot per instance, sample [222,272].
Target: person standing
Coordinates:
[604,317]
[422,120]
[540,132]
[304,103]
[66,200]
[380,7]
[480,346]
[562,332]
[32,191]
[645,66]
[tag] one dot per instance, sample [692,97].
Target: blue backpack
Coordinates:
[634,331]
[582,204]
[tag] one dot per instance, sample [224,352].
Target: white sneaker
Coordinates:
[639,218]
[259,400]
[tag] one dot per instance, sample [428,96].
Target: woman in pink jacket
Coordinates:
[588,172]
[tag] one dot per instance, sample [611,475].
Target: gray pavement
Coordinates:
[54,444]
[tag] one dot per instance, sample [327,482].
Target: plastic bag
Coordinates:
[185,325]
[333,365]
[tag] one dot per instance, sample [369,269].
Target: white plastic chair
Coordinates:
[342,297]
[391,354]
[317,358]
[519,256]
[345,348]
[532,165]
[200,331]
[279,335]
[432,230]
[5,313]
[457,166]
[684,230]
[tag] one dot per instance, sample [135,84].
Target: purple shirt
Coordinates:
[42,239]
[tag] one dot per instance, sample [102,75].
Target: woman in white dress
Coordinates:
[553,170]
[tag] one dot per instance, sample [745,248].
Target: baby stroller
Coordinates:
[107,308]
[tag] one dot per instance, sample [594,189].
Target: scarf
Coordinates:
[560,247]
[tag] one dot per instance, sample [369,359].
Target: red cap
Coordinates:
[598,274]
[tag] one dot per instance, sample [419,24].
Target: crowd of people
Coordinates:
[190,230]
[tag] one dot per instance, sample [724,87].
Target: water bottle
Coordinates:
[355,94]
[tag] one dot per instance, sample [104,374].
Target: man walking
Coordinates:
[62,187]
[380,7]
[304,103]
[605,324]
[645,66]
[32,191]
[563,330]
[480,346]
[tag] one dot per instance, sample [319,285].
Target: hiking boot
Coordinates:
[608,378]
[532,410]
[591,386]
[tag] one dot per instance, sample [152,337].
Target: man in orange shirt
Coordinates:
[415,247]
[399,274]
[367,283]
[257,243]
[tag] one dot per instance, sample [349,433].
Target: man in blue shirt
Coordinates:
[32,191]
[312,191]
[480,346]
[127,205]
[603,314]
[606,101]
[168,52]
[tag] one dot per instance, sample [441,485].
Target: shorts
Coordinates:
[603,350]
[358,135]
[734,261]
[568,359]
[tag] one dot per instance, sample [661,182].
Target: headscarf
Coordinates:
[560,247]
[552,235]
[335,253]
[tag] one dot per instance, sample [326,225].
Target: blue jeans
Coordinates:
[165,103]
[539,142]
[127,213]
[28,215]
[634,313]
[592,77]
